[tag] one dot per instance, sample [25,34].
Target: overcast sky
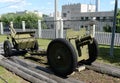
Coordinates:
[47,6]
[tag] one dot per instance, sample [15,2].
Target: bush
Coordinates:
[107,28]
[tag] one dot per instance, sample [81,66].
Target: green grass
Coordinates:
[2,38]
[104,55]
[43,43]
[10,77]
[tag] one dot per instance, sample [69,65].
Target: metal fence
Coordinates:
[102,37]
[105,38]
[49,31]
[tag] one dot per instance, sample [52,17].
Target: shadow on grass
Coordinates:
[104,55]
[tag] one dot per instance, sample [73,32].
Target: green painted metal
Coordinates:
[22,40]
[80,40]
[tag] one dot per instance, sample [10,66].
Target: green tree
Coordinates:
[107,28]
[118,22]
[6,18]
[31,20]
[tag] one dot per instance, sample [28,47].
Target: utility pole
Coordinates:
[55,18]
[97,5]
[114,29]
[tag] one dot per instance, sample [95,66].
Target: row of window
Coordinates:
[89,18]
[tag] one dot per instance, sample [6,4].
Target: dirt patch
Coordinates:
[87,76]
[90,76]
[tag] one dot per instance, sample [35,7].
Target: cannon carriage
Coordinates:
[63,54]
[20,41]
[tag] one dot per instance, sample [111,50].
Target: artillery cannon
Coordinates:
[20,41]
[63,55]
[79,47]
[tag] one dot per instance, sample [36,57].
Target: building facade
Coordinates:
[50,22]
[77,16]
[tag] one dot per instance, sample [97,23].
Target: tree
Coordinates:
[107,28]
[118,22]
[31,20]
[6,18]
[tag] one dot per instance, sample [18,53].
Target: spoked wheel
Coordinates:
[7,48]
[93,53]
[61,57]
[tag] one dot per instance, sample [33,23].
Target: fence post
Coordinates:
[23,25]
[61,28]
[39,29]
[12,30]
[1,28]
[93,30]
[11,24]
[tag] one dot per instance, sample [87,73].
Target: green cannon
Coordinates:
[20,41]
[64,55]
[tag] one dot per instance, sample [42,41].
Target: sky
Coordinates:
[47,6]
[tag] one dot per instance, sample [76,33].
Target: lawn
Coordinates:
[105,57]
[10,77]
[2,38]
[43,43]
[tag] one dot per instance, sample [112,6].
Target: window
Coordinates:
[72,17]
[52,26]
[82,26]
[82,18]
[68,11]
[111,18]
[104,18]
[64,15]
[97,18]
[86,18]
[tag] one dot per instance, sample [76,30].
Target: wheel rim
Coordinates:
[61,57]
[7,48]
